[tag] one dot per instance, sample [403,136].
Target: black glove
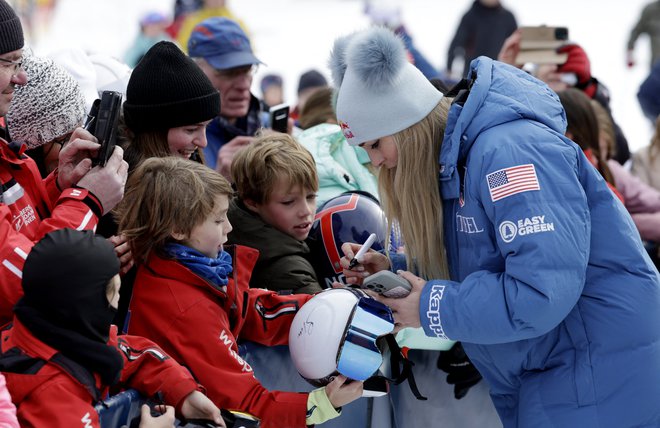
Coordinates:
[462,373]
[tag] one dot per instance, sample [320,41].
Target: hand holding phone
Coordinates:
[387,284]
[104,124]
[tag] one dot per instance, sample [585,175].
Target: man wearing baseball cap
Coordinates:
[223,51]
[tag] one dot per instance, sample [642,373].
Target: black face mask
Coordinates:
[65,279]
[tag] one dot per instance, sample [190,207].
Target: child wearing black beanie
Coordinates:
[167,90]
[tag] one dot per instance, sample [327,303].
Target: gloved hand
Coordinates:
[462,373]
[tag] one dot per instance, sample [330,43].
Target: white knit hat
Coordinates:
[76,61]
[49,106]
[111,73]
[379,92]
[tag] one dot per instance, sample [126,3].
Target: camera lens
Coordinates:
[561,33]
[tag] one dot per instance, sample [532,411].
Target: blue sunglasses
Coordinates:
[359,358]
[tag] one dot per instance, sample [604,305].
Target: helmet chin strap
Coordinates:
[401,367]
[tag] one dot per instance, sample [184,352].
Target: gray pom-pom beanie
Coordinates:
[378,91]
[49,106]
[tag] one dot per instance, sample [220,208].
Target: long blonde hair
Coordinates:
[411,197]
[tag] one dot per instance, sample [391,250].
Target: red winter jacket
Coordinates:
[52,397]
[197,324]
[29,208]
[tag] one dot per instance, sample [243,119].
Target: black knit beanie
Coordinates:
[11,31]
[166,90]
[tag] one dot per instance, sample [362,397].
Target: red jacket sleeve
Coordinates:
[149,370]
[14,248]
[74,208]
[58,404]
[269,316]
[200,338]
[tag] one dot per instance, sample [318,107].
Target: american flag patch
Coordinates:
[509,181]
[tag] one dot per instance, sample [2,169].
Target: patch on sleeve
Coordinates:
[510,181]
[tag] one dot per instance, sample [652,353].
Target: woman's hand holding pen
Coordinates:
[372,262]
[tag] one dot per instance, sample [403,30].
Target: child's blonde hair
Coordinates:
[406,198]
[257,168]
[164,196]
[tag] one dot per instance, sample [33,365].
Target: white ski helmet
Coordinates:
[336,332]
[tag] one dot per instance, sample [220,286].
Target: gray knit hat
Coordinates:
[378,91]
[49,106]
[11,31]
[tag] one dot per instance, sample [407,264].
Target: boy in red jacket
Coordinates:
[193,297]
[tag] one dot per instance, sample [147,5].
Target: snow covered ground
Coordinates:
[291,36]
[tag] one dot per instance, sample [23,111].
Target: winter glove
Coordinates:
[462,373]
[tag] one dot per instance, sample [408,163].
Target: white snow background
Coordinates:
[292,36]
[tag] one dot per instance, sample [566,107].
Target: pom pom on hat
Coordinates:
[378,92]
[377,57]
[49,106]
[167,90]
[337,61]
[11,30]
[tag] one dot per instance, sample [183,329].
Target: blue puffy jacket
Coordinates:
[552,293]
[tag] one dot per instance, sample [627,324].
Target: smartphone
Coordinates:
[538,45]
[105,127]
[542,37]
[387,283]
[279,117]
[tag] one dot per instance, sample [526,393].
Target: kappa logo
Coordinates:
[433,313]
[527,226]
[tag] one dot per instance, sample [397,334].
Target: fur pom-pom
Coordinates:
[376,55]
[337,61]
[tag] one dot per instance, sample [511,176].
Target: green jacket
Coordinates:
[341,168]
[282,263]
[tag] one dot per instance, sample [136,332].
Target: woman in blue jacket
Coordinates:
[524,254]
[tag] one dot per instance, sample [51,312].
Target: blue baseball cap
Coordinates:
[222,43]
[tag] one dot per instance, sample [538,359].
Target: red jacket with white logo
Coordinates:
[30,207]
[197,324]
[52,397]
